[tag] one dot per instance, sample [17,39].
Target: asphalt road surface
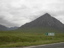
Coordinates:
[55,45]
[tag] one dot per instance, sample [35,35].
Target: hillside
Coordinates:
[2,28]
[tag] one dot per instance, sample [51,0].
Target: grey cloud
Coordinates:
[6,22]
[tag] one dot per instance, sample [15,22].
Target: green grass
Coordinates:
[20,39]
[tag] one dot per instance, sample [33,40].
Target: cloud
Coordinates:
[6,22]
[19,12]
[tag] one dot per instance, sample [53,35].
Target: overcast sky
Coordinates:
[19,12]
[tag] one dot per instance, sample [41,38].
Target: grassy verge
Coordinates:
[20,39]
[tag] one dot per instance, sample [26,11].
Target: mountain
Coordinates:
[2,28]
[13,28]
[44,21]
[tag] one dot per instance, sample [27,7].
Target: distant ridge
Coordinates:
[3,28]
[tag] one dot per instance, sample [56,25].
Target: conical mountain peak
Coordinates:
[45,20]
[46,15]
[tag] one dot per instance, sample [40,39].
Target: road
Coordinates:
[54,45]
